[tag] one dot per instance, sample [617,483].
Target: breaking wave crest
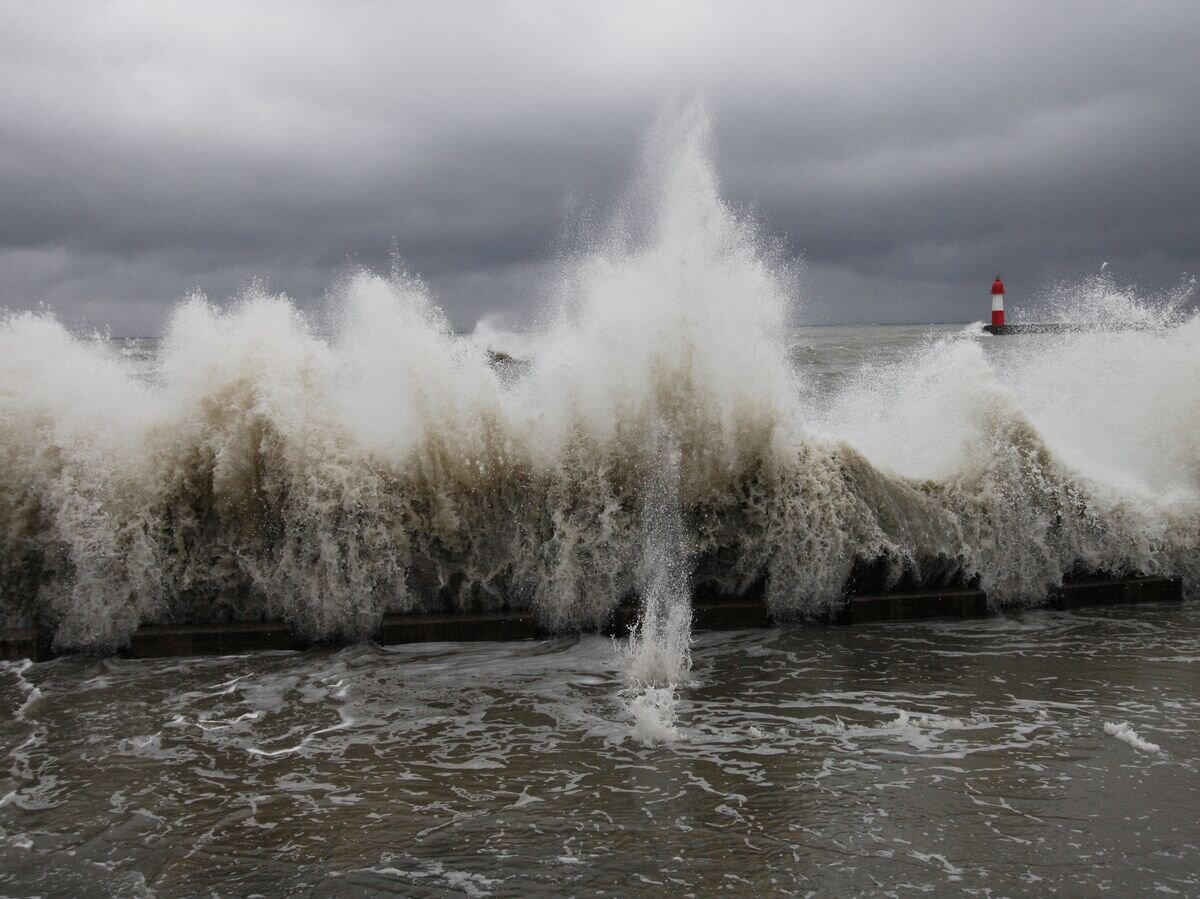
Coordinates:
[269,470]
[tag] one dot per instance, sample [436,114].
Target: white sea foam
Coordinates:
[1126,734]
[654,711]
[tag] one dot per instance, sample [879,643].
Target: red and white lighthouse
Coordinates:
[997,302]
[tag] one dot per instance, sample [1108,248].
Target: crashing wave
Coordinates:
[268,471]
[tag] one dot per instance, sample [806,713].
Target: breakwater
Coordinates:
[709,613]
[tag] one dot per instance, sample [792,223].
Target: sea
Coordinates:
[668,423]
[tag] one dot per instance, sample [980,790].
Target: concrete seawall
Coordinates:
[1044,328]
[709,613]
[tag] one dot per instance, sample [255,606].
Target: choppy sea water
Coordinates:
[963,758]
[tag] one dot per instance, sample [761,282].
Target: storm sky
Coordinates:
[908,152]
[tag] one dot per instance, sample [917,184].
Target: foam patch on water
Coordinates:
[1126,734]
[31,692]
[654,713]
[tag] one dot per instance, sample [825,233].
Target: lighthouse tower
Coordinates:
[997,303]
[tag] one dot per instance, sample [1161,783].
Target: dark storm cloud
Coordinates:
[908,150]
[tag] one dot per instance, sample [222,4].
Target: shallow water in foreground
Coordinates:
[967,757]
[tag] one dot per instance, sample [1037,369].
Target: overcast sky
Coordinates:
[909,151]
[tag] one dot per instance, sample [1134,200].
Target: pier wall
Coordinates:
[710,613]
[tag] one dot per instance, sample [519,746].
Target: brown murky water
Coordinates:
[943,757]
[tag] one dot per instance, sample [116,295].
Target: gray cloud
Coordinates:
[908,151]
